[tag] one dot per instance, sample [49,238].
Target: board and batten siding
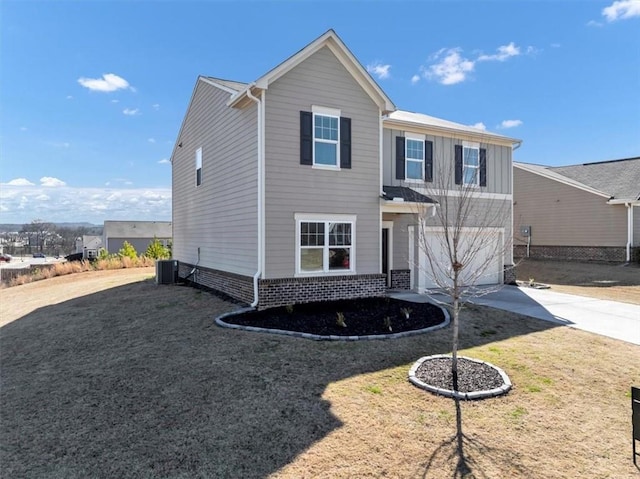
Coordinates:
[498,161]
[562,215]
[291,188]
[220,215]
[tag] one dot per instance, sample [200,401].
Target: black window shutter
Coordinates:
[345,142]
[428,160]
[399,158]
[306,138]
[483,167]
[458,172]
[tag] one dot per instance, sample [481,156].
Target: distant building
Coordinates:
[89,246]
[137,233]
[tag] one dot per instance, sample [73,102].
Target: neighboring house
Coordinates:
[579,212]
[303,185]
[137,233]
[89,246]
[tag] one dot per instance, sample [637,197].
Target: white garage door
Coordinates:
[484,267]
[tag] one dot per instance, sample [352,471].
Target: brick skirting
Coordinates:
[284,291]
[510,274]
[577,253]
[235,285]
[401,279]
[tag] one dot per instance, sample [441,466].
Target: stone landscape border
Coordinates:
[317,337]
[506,386]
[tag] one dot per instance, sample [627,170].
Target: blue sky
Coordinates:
[92,93]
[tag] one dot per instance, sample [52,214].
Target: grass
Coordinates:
[106,374]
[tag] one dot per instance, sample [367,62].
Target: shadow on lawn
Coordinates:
[137,381]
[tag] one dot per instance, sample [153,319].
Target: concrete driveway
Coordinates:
[608,318]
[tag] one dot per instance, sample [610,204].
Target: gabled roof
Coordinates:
[330,40]
[615,180]
[438,125]
[236,86]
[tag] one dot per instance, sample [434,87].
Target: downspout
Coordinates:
[629,230]
[260,110]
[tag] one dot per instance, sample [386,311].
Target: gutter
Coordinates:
[629,230]
[261,148]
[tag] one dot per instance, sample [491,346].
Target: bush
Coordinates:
[156,250]
[128,251]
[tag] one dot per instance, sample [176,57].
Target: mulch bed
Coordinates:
[363,317]
[472,376]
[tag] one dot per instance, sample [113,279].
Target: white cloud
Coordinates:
[108,83]
[151,140]
[479,126]
[115,101]
[156,106]
[379,70]
[593,23]
[131,111]
[69,97]
[415,79]
[19,182]
[22,203]
[164,161]
[451,68]
[49,181]
[23,128]
[621,10]
[510,124]
[60,144]
[555,45]
[504,52]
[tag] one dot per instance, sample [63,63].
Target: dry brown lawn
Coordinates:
[615,282]
[109,375]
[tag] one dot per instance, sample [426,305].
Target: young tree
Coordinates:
[128,251]
[462,239]
[157,250]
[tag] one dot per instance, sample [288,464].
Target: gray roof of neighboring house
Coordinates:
[137,229]
[617,179]
[407,194]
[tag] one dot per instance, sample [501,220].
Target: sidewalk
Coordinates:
[608,318]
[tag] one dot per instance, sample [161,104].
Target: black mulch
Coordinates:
[364,316]
[472,376]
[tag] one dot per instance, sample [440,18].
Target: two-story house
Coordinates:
[304,184]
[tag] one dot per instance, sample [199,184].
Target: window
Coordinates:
[198,166]
[325,138]
[325,246]
[470,164]
[414,159]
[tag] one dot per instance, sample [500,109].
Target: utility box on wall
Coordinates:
[525,231]
[166,271]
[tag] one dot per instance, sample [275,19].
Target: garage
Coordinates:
[485,266]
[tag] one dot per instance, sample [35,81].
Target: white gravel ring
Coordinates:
[487,393]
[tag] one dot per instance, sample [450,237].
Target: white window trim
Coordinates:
[198,159]
[415,137]
[471,146]
[325,218]
[330,112]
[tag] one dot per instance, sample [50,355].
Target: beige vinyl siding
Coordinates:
[562,215]
[401,238]
[498,161]
[220,215]
[293,188]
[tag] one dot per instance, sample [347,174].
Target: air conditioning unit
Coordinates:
[166,271]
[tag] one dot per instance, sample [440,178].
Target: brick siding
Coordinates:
[577,253]
[401,279]
[283,291]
